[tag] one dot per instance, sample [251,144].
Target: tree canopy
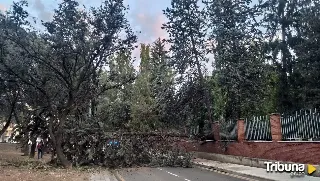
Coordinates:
[73,82]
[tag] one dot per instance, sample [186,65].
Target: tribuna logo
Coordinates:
[295,169]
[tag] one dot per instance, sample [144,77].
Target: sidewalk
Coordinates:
[102,176]
[251,171]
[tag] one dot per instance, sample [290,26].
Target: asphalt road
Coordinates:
[173,174]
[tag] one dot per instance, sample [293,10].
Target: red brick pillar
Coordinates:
[275,125]
[216,130]
[241,131]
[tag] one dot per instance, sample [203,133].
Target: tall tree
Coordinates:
[187,30]
[282,21]
[239,61]
[306,66]
[162,82]
[64,62]
[114,105]
[143,103]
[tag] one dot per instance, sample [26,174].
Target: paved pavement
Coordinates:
[103,176]
[252,171]
[173,174]
[218,172]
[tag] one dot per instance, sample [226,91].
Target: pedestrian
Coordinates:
[40,149]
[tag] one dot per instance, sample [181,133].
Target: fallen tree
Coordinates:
[90,145]
[60,70]
[62,64]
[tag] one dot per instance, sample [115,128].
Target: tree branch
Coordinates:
[105,87]
[13,104]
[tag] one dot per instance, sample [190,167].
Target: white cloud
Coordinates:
[3,8]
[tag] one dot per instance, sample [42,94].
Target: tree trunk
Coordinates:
[53,154]
[284,69]
[4,129]
[12,110]
[25,148]
[25,139]
[24,145]
[52,138]
[93,107]
[206,94]
[201,77]
[57,139]
[64,161]
[16,117]
[33,147]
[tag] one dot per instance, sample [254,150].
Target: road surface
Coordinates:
[173,174]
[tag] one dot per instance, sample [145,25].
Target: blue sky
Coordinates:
[144,15]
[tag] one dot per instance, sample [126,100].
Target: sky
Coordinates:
[144,15]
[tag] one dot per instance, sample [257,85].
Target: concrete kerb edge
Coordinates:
[117,175]
[247,161]
[231,172]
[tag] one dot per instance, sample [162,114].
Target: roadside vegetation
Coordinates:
[13,166]
[71,81]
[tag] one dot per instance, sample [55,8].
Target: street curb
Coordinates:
[117,175]
[233,173]
[246,161]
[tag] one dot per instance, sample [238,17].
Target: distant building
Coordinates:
[8,133]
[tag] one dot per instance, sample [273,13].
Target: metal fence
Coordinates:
[303,125]
[258,128]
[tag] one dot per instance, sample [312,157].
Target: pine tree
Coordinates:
[143,104]
[114,104]
[162,82]
[305,77]
[239,62]
[282,20]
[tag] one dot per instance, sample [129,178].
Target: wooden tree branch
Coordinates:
[12,72]
[40,59]
[152,134]
[105,87]
[16,117]
[13,105]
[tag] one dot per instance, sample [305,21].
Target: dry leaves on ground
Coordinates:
[14,167]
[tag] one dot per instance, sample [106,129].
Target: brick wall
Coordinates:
[300,152]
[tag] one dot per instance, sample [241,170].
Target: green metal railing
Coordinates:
[303,125]
[258,128]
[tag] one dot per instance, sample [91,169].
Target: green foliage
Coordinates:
[271,95]
[187,29]
[143,114]
[220,98]
[239,61]
[114,106]
[305,73]
[61,65]
[162,83]
[285,22]
[75,80]
[89,145]
[153,91]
